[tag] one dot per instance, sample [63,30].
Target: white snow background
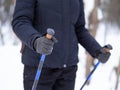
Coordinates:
[11,68]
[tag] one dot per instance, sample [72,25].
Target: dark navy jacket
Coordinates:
[32,18]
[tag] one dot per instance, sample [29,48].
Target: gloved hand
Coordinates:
[43,45]
[104,53]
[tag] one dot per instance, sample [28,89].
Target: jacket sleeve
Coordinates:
[22,22]
[84,37]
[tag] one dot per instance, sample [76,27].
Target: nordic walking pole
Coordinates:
[50,33]
[89,76]
[107,49]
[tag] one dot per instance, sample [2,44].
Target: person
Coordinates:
[30,21]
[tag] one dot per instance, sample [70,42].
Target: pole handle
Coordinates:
[50,33]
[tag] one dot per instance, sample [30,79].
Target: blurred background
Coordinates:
[102,21]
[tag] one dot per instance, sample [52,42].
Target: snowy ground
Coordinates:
[11,68]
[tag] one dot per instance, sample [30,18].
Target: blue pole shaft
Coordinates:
[89,76]
[50,33]
[42,59]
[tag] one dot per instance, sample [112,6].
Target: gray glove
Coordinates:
[103,54]
[43,45]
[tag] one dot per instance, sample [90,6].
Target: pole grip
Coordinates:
[108,48]
[50,33]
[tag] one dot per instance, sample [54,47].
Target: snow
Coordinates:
[11,68]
